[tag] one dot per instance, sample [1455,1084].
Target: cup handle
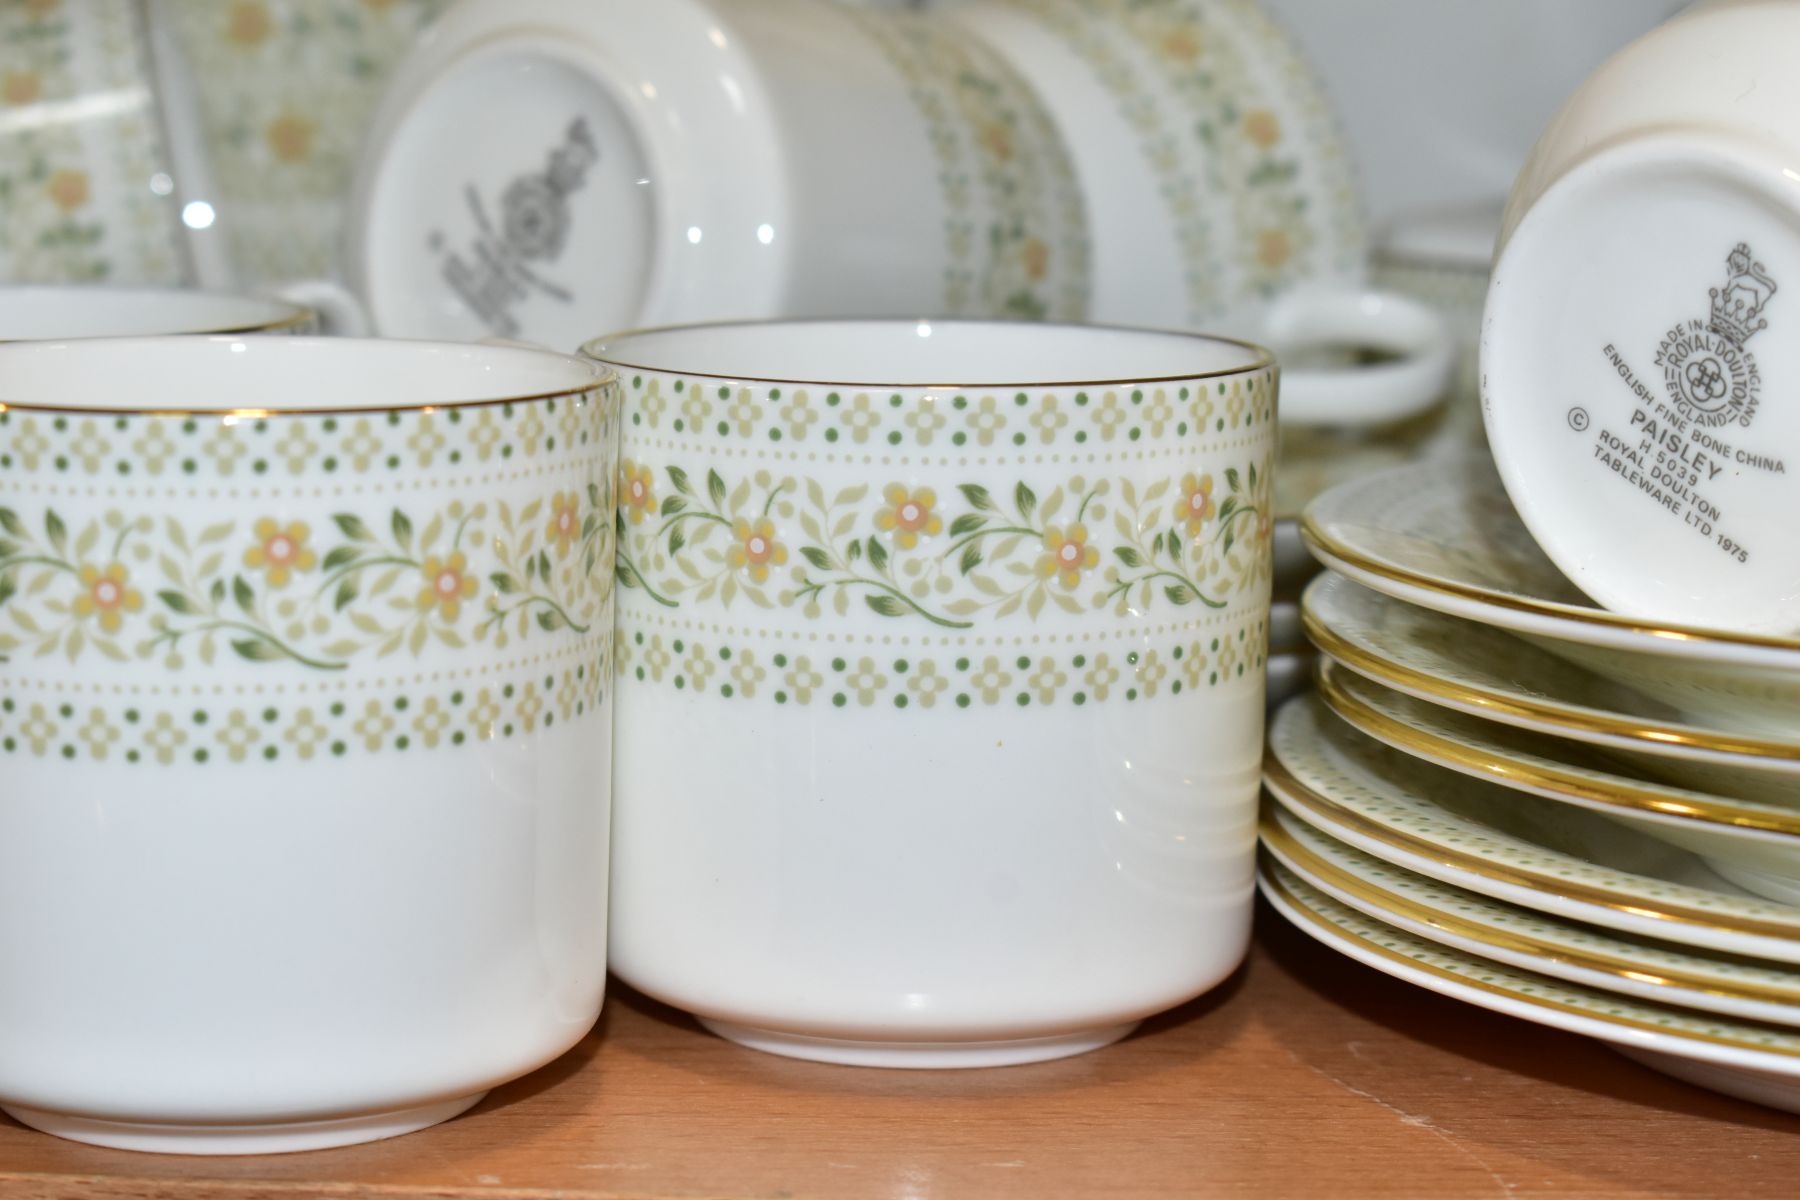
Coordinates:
[1416,375]
[338,309]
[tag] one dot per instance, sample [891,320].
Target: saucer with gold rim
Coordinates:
[1444,536]
[1753,843]
[1755,1062]
[1478,669]
[1450,916]
[1550,857]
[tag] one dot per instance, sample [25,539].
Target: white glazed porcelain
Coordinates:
[1744,1059]
[1636,354]
[1443,536]
[1465,921]
[79,311]
[1220,192]
[305,705]
[941,657]
[1753,842]
[1547,856]
[718,158]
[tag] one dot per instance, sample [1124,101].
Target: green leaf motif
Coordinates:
[1178,593]
[403,530]
[255,650]
[878,555]
[971,558]
[217,592]
[53,526]
[7,588]
[341,556]
[9,521]
[715,487]
[854,551]
[1026,499]
[977,496]
[679,479]
[1128,556]
[503,583]
[966,524]
[816,557]
[550,620]
[677,539]
[352,527]
[1231,477]
[176,602]
[886,605]
[244,594]
[672,505]
[345,594]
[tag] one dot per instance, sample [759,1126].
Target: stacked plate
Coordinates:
[1508,796]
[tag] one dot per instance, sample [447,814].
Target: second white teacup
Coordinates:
[940,702]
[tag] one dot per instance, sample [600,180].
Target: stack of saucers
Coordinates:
[1508,796]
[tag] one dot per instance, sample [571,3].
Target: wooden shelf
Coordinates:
[1306,1075]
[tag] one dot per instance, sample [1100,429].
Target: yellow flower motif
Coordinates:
[755,548]
[68,189]
[638,485]
[909,515]
[1274,248]
[1182,45]
[1067,554]
[997,140]
[565,522]
[1262,127]
[1195,507]
[248,23]
[1036,253]
[447,585]
[106,596]
[20,87]
[280,551]
[290,137]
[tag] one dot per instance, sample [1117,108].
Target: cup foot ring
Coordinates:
[250,1138]
[919,1055]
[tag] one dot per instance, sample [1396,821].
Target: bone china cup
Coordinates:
[304,717]
[941,654]
[1639,355]
[52,312]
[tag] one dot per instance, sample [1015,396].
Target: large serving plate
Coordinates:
[1754,843]
[1443,535]
[1751,1061]
[1567,950]
[1551,857]
[1479,669]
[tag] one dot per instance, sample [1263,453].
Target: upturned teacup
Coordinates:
[940,657]
[305,707]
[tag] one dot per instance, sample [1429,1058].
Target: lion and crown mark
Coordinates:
[1737,307]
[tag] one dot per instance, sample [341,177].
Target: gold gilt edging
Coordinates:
[319,446]
[793,672]
[1105,545]
[1023,251]
[948,420]
[164,730]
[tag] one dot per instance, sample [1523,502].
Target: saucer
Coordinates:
[1443,535]
[1752,843]
[1481,670]
[1753,1062]
[1450,916]
[1553,858]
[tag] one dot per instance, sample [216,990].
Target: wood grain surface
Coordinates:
[1306,1075]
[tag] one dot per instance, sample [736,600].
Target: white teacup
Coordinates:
[941,657]
[1638,355]
[543,168]
[305,707]
[49,312]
